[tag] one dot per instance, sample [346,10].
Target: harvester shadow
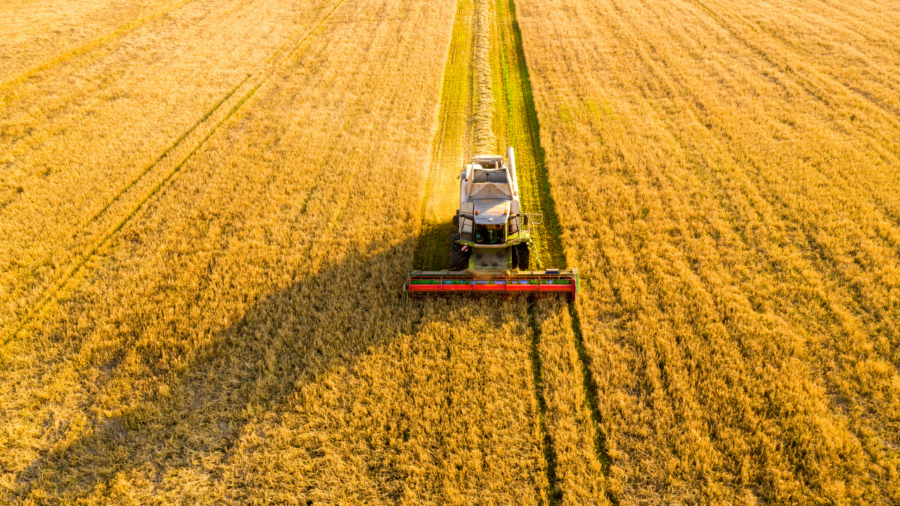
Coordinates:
[196,416]
[433,249]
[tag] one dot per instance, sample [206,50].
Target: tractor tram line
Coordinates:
[537,371]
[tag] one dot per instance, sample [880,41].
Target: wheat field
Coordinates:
[726,176]
[208,207]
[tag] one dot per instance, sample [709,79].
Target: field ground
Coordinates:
[208,206]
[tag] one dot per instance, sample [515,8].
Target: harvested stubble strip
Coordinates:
[729,203]
[452,143]
[484,98]
[243,337]
[74,138]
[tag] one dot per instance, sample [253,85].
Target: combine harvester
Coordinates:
[489,253]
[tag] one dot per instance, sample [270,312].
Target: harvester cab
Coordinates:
[491,248]
[491,233]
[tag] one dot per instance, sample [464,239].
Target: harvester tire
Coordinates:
[459,259]
[522,256]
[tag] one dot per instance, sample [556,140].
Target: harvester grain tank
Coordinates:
[491,249]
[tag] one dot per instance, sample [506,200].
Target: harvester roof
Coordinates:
[491,211]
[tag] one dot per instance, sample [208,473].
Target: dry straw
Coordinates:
[484,96]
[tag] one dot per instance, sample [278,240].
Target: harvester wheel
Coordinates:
[522,256]
[459,259]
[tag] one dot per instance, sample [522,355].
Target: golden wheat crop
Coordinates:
[235,333]
[207,208]
[83,141]
[36,36]
[726,178]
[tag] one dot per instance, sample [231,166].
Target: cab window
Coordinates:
[489,234]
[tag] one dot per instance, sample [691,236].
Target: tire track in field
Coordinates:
[554,494]
[523,131]
[188,144]
[83,49]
